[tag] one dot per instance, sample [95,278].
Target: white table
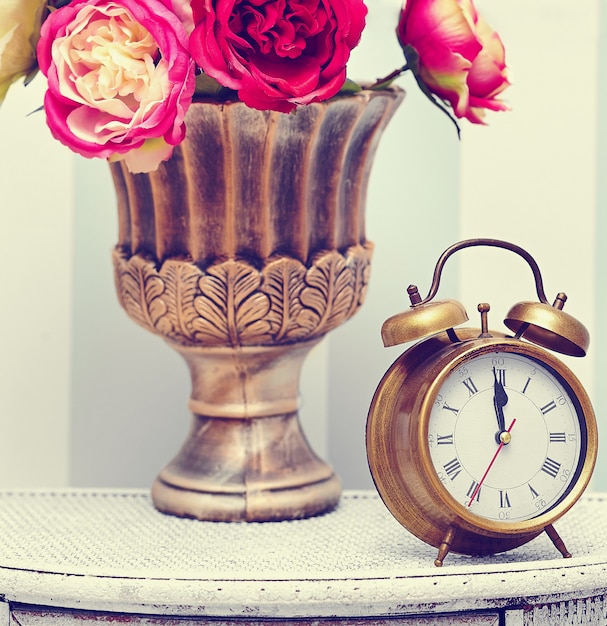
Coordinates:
[107,555]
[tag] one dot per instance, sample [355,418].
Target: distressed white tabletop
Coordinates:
[109,550]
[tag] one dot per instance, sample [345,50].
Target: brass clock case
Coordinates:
[399,456]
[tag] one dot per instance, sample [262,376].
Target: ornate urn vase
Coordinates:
[242,251]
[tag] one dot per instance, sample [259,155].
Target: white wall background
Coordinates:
[36,261]
[88,398]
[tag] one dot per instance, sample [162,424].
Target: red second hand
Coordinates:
[482,480]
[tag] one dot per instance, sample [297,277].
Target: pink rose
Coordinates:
[460,58]
[183,10]
[279,53]
[119,75]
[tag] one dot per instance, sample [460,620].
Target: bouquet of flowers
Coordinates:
[121,74]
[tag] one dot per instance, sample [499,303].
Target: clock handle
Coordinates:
[542,323]
[495,243]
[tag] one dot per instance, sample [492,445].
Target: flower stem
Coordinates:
[384,82]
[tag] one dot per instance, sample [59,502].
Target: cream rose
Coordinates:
[120,79]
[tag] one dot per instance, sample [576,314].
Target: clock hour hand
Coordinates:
[500,399]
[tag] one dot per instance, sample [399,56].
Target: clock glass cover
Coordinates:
[506,436]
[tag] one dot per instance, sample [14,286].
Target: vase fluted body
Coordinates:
[242,251]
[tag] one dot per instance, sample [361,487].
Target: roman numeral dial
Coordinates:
[530,464]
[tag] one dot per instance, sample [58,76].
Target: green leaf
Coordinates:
[30,76]
[207,86]
[412,58]
[350,86]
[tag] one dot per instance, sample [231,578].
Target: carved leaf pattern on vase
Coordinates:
[140,293]
[233,303]
[360,267]
[328,292]
[284,278]
[181,280]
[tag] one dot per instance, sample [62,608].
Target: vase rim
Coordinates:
[393,91]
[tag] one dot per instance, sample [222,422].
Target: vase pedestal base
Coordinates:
[265,506]
[246,457]
[259,469]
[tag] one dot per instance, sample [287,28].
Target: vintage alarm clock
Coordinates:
[478,441]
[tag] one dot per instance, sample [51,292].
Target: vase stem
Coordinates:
[246,457]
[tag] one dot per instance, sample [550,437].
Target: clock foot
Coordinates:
[559,544]
[445,546]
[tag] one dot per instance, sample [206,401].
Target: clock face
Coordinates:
[506,436]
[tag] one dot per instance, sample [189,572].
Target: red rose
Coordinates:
[277,54]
